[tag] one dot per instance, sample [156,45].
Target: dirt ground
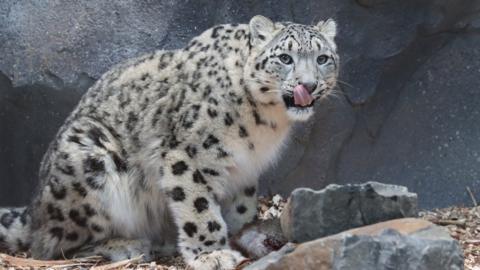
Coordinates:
[463,223]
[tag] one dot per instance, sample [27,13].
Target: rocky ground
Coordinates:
[462,223]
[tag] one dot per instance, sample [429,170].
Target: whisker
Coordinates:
[334,94]
[344,83]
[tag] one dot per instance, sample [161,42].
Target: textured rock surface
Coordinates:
[398,244]
[410,76]
[311,214]
[390,249]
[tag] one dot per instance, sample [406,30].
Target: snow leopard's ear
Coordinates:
[327,28]
[262,30]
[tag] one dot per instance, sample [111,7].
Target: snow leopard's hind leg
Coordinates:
[68,212]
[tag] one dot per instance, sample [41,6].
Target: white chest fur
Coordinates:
[262,149]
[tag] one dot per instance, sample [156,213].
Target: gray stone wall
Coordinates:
[410,76]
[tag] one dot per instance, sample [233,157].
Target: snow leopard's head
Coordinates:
[292,63]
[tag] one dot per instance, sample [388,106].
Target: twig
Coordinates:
[22,262]
[473,241]
[243,264]
[472,196]
[445,222]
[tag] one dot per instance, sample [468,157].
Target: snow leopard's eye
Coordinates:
[322,59]
[285,58]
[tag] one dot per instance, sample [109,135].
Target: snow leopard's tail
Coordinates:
[15,225]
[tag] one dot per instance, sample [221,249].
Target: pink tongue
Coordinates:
[301,96]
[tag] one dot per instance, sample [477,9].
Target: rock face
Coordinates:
[410,76]
[401,244]
[311,214]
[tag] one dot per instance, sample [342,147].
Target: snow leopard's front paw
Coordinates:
[224,259]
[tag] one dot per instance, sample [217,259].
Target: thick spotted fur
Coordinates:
[167,148]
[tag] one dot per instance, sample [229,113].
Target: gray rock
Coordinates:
[400,244]
[311,214]
[391,250]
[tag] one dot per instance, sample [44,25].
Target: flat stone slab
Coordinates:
[401,244]
[311,214]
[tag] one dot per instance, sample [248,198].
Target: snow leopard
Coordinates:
[167,148]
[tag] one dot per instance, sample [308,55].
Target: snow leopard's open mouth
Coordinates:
[301,98]
[290,102]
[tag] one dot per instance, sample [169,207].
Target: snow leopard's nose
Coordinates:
[310,86]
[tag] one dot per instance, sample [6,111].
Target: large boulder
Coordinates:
[401,244]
